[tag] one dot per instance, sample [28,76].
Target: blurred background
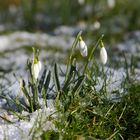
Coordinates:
[110,17]
[51,26]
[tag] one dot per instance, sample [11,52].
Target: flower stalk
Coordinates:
[71,54]
[91,54]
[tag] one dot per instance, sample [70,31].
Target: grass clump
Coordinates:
[85,112]
[89,114]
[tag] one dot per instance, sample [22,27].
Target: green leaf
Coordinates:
[42,81]
[25,91]
[50,135]
[56,79]
[29,67]
[71,76]
[47,82]
[78,84]
[46,86]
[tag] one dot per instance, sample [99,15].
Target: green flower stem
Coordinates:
[71,54]
[91,54]
[31,101]
[34,81]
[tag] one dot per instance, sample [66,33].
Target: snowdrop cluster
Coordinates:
[84,51]
[36,64]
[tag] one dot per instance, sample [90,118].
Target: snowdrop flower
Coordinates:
[36,68]
[103,54]
[36,65]
[83,47]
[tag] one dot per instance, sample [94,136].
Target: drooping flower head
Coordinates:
[83,47]
[36,65]
[103,53]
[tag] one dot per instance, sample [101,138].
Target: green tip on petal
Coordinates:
[80,38]
[102,44]
[35,55]
[35,60]
[33,50]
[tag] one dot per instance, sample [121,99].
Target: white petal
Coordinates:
[39,65]
[103,55]
[82,44]
[84,52]
[83,48]
[36,69]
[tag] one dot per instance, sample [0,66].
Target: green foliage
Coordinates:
[81,110]
[85,112]
[50,135]
[89,114]
[34,89]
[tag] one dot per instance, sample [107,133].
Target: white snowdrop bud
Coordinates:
[36,64]
[36,68]
[83,47]
[103,54]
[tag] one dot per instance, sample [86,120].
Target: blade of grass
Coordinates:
[47,82]
[56,79]
[41,81]
[19,116]
[70,77]
[46,86]
[78,84]
[5,119]
[14,101]
[122,112]
[111,137]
